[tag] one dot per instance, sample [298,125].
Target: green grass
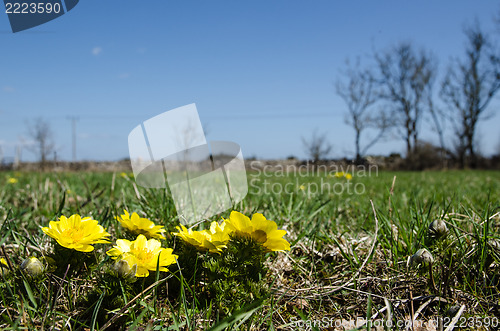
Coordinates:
[337,268]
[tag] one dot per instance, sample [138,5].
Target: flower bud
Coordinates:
[32,266]
[422,256]
[438,229]
[123,270]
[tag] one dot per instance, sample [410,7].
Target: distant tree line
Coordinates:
[402,84]
[396,94]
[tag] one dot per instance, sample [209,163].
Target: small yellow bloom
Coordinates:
[348,176]
[4,267]
[339,174]
[123,174]
[12,180]
[302,187]
[143,253]
[213,240]
[138,225]
[194,238]
[77,233]
[259,228]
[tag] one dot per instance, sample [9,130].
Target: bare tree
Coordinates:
[467,89]
[438,121]
[496,20]
[406,78]
[357,89]
[41,133]
[317,147]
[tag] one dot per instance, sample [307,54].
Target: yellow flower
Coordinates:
[12,180]
[339,174]
[348,176]
[4,267]
[143,253]
[194,238]
[77,233]
[259,228]
[138,225]
[302,187]
[213,240]
[123,174]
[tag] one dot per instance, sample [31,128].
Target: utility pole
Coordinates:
[17,158]
[73,128]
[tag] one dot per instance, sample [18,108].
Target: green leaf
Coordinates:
[30,293]
[239,316]
[96,311]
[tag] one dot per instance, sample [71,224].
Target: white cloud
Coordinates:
[96,50]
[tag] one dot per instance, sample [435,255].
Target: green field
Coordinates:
[348,260]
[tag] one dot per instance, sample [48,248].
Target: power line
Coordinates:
[270,116]
[216,116]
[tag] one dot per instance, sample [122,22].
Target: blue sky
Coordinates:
[261,72]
